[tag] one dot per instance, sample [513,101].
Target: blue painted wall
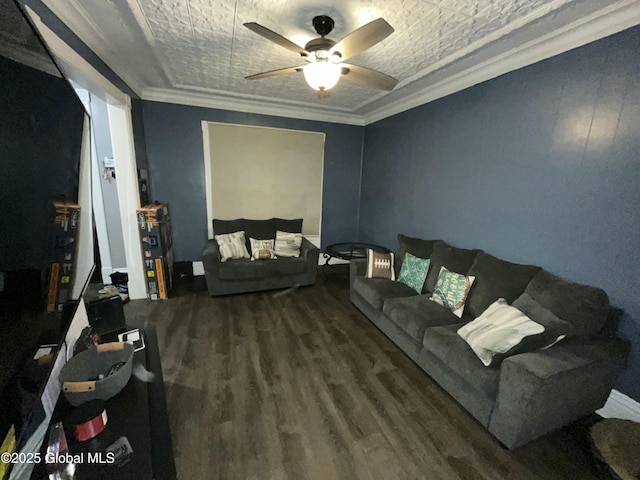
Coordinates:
[541,165]
[176,169]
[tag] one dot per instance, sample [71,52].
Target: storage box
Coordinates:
[66,224]
[154,227]
[159,273]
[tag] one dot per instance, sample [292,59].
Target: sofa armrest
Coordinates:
[357,268]
[545,390]
[211,257]
[308,249]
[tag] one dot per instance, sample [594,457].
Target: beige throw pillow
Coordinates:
[288,244]
[232,246]
[503,330]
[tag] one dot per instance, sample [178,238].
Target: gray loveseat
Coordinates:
[528,394]
[243,275]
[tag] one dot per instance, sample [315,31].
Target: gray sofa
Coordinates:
[243,275]
[528,394]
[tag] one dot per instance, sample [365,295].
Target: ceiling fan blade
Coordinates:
[368,78]
[273,73]
[362,38]
[276,38]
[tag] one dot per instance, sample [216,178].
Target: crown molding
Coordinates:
[605,22]
[251,105]
[492,59]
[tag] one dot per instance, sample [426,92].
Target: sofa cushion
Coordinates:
[261,229]
[415,314]
[291,226]
[584,307]
[245,269]
[415,246]
[376,290]
[458,260]
[221,227]
[414,271]
[496,279]
[445,343]
[541,315]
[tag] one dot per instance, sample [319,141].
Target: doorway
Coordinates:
[118,119]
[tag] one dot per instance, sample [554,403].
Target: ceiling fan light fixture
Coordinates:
[322,75]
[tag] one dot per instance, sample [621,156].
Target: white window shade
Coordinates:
[259,172]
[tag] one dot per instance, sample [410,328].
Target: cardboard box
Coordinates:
[66,224]
[154,227]
[158,273]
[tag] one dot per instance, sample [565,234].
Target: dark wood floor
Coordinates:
[300,385]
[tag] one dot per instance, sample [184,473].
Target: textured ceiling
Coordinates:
[200,49]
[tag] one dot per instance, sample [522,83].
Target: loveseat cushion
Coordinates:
[445,343]
[415,246]
[583,306]
[258,229]
[458,260]
[244,268]
[291,226]
[221,227]
[496,279]
[376,290]
[261,229]
[415,314]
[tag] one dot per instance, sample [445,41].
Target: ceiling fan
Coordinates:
[325,57]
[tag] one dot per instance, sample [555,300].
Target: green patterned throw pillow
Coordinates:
[414,271]
[452,290]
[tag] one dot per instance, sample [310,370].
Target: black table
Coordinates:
[138,412]
[349,251]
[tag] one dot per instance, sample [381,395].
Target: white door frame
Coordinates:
[119,108]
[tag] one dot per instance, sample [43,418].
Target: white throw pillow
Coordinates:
[288,244]
[497,330]
[232,246]
[262,249]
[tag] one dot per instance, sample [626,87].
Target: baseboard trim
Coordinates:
[620,405]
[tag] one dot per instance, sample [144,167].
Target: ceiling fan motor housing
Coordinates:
[323,24]
[319,44]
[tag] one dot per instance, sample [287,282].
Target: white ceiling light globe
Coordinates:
[322,75]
